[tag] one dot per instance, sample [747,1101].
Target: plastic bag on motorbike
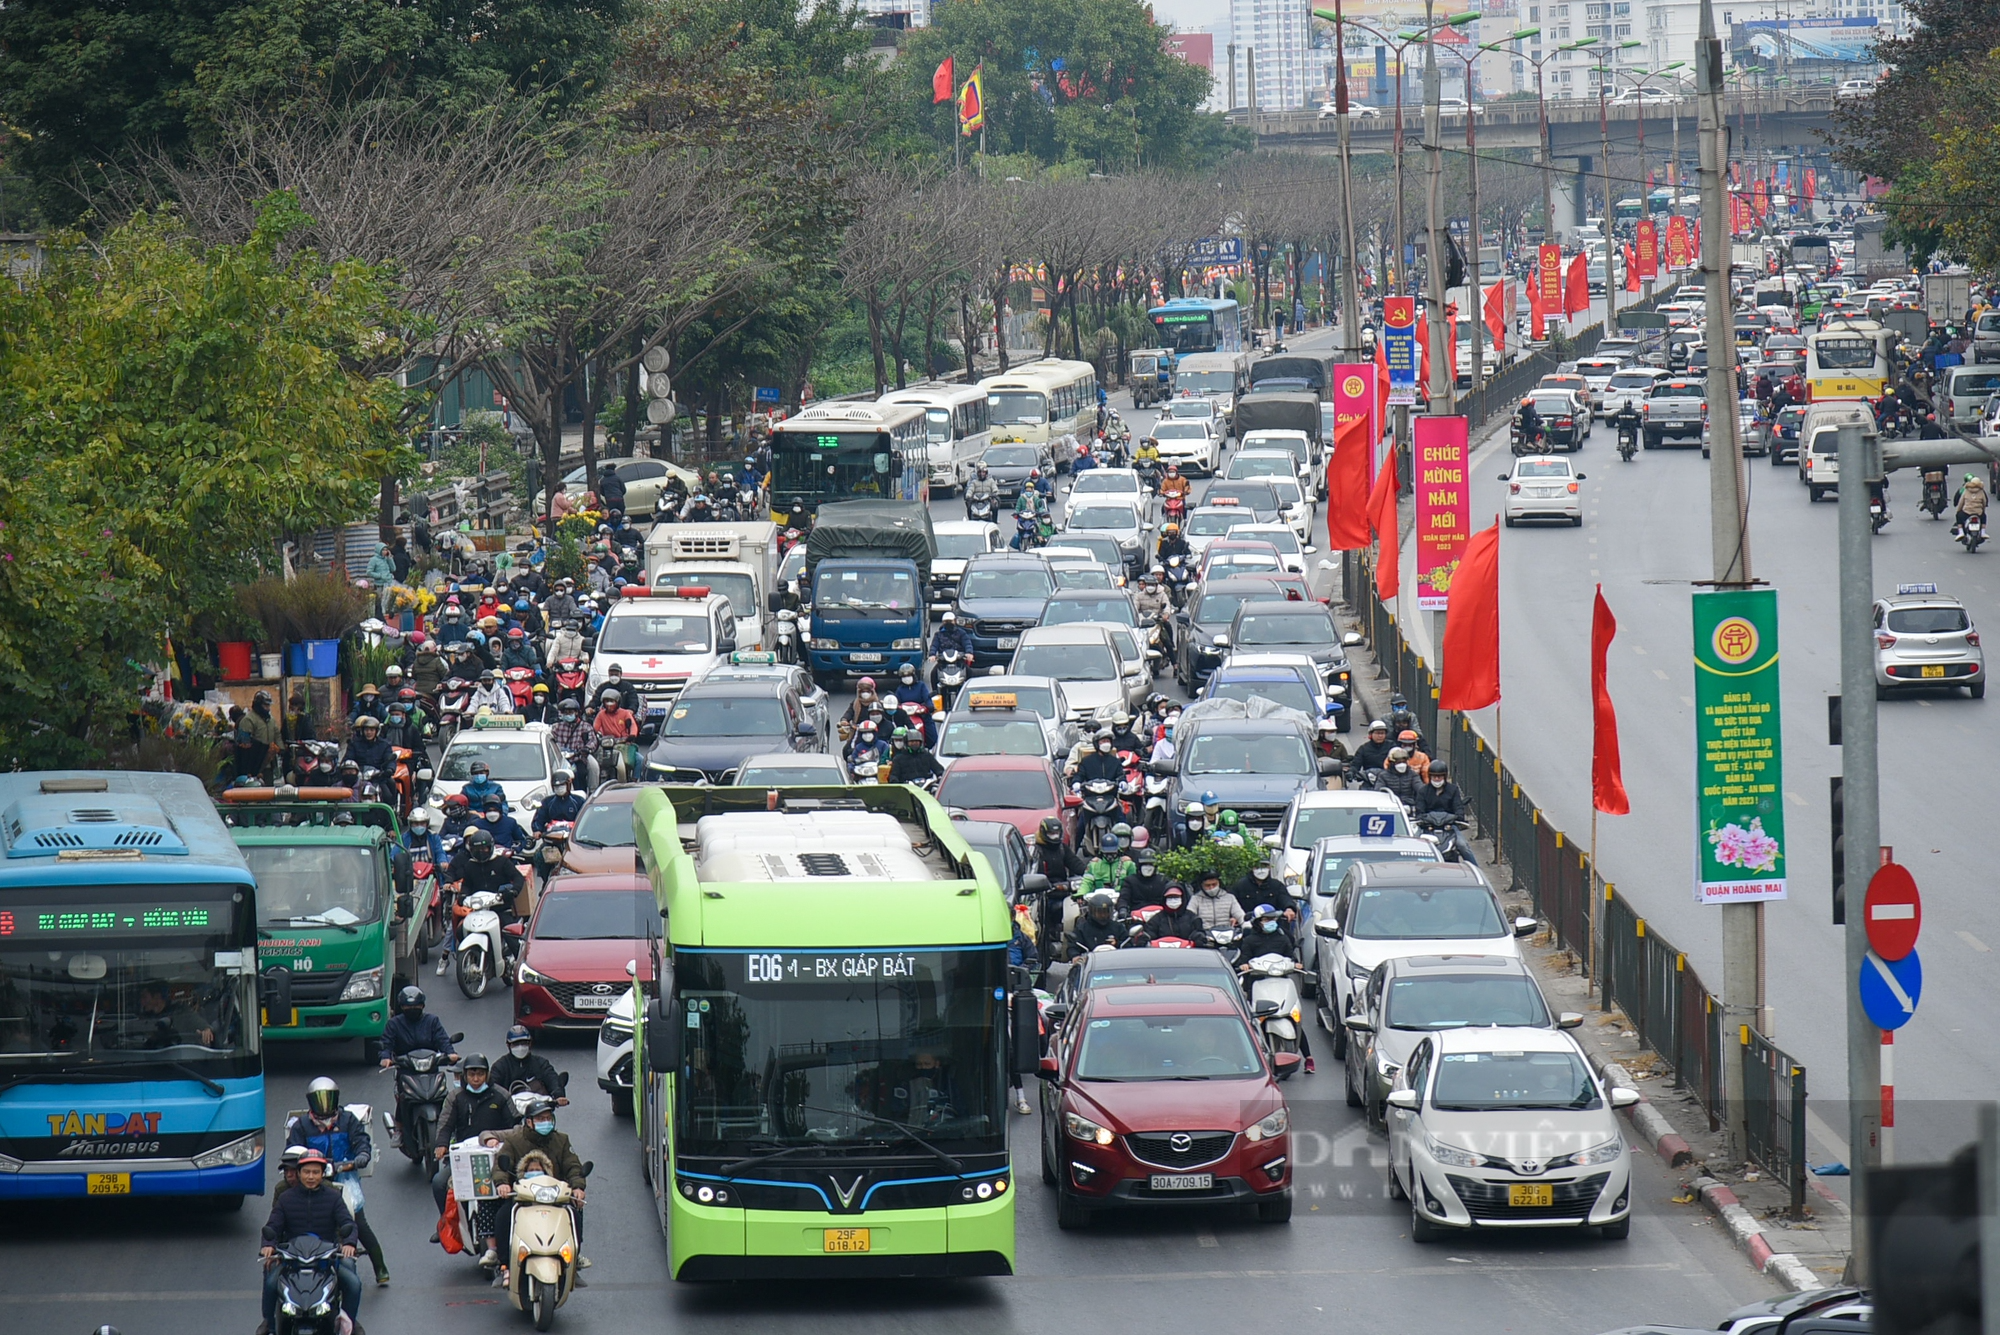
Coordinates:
[449,1236]
[1256,707]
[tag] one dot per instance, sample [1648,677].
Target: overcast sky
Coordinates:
[1192,15]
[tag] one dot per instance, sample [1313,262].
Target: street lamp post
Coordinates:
[1350,297]
[1408,39]
[1610,208]
[1639,81]
[1542,114]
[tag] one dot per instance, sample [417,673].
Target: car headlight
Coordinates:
[1450,1155]
[238,1153]
[1609,1152]
[969,624]
[1357,972]
[912,643]
[533,797]
[526,975]
[826,644]
[1388,1070]
[1275,1125]
[1082,1128]
[363,986]
[614,1032]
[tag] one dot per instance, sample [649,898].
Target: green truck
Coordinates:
[341,907]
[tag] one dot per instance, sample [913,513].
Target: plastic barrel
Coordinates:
[295,660]
[235,658]
[267,666]
[322,658]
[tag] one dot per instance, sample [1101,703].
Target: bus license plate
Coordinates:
[107,1184]
[847,1239]
[1933,669]
[1531,1194]
[1182,1181]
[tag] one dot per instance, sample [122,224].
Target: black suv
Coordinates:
[1210,613]
[1281,626]
[1000,595]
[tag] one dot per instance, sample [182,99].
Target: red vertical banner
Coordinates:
[1647,248]
[1576,297]
[1549,270]
[1347,487]
[1469,658]
[1760,197]
[1679,253]
[1444,502]
[1496,315]
[1631,270]
[1812,184]
[1354,399]
[1607,775]
[1382,521]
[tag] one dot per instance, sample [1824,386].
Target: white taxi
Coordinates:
[519,756]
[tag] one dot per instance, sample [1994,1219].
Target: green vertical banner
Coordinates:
[1738,752]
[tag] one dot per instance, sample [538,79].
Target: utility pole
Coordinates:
[1742,924]
[1350,278]
[1444,369]
[1610,210]
[1232,76]
[1478,296]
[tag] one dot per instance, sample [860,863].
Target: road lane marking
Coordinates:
[1206,1239]
[1796,798]
[1689,703]
[1661,675]
[1639,649]
[1975,943]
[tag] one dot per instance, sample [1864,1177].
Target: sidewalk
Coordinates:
[1803,1254]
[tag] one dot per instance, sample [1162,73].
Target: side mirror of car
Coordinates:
[1072,800]
[650,733]
[1359,1025]
[1569,1020]
[1624,1098]
[1327,929]
[1286,1064]
[515,928]
[1502,476]
[631,968]
[1406,1099]
[728,646]
[1582,476]
[1349,640]
[276,987]
[426,775]
[1222,641]
[1525,926]
[1046,1068]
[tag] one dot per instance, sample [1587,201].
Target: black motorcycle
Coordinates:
[308,1288]
[1628,440]
[948,677]
[1972,533]
[1102,809]
[1446,831]
[421,1089]
[980,509]
[1934,502]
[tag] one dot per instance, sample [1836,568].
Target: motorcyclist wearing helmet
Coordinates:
[1191,829]
[521,1067]
[1108,870]
[1215,906]
[343,1138]
[457,817]
[628,694]
[913,762]
[575,738]
[1150,601]
[1400,777]
[538,1134]
[1260,886]
[1094,927]
[1229,830]
[613,719]
[1176,919]
[1408,740]
[1970,498]
[481,865]
[367,747]
[1147,456]
[1529,421]
[1054,858]
[1440,794]
[1027,515]
[478,1107]
[1145,886]
[411,1028]
[1373,753]
[698,510]
[1172,543]
[492,694]
[1123,737]
[481,785]
[314,1207]
[868,750]
[560,804]
[1100,762]
[951,635]
[981,488]
[1270,934]
[497,820]
[1173,484]
[520,652]
[420,841]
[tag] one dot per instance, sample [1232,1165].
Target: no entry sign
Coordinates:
[1892,911]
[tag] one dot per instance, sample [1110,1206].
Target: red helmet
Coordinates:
[312,1156]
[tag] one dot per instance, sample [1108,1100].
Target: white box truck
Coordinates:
[739,561]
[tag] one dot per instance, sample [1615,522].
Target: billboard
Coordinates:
[1845,39]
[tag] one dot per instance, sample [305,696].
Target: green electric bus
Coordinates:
[822,1071]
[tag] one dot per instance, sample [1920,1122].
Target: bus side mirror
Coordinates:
[663,1039]
[1027,1054]
[277,993]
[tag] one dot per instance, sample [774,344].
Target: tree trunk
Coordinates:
[385,514]
[902,360]
[875,344]
[971,334]
[1000,322]
[629,433]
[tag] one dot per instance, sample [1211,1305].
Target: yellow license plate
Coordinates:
[287,1020]
[1531,1194]
[107,1184]
[847,1239]
[1933,669]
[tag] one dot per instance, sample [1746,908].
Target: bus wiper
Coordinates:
[731,1170]
[318,921]
[214,1090]
[909,1133]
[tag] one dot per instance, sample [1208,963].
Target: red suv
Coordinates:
[1161,1094]
[586,929]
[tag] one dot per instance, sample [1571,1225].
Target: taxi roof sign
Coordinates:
[1907,590]
[752,657]
[500,721]
[993,700]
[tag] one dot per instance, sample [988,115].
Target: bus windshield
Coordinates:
[303,885]
[127,977]
[1017,407]
[837,1049]
[1186,331]
[1206,382]
[832,463]
[1845,354]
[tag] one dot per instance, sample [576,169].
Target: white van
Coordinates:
[1819,443]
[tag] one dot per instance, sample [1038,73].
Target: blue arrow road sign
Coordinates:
[1889,991]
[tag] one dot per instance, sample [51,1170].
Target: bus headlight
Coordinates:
[363,986]
[237,1153]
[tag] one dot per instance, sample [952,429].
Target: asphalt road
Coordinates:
[161,1270]
[1645,537]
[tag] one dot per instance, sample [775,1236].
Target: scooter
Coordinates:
[309,1289]
[544,1253]
[1179,579]
[454,704]
[1101,810]
[551,850]
[1443,829]
[979,509]
[1972,533]
[521,685]
[785,636]
[1628,442]
[481,951]
[1274,1001]
[1933,501]
[571,676]
[421,1088]
[1224,940]
[1878,514]
[948,677]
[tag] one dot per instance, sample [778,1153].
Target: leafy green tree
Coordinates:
[167,412]
[93,82]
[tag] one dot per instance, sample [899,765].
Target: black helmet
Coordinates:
[1050,831]
[539,1106]
[475,1061]
[480,842]
[410,998]
[1440,769]
[323,1095]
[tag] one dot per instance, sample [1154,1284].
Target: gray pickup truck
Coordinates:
[1676,407]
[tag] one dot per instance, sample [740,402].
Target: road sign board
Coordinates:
[1893,911]
[1889,991]
[767,394]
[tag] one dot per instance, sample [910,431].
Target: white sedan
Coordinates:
[1191,443]
[1507,1128]
[1542,486]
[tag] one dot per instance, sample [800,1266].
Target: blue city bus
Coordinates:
[130,1058]
[1199,324]
[841,449]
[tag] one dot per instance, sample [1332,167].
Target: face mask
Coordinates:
[1104,747]
[493,816]
[1437,783]
[1173,905]
[520,1049]
[1270,924]
[1262,873]
[1194,825]
[545,1128]
[1402,768]
[1147,868]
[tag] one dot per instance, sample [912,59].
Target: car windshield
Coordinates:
[1249,466]
[1441,913]
[1334,865]
[1928,620]
[597,915]
[338,886]
[1630,380]
[1067,662]
[510,762]
[1180,431]
[1498,1081]
[1308,628]
[1452,1001]
[774,776]
[1062,611]
[1215,523]
[1007,582]
[977,736]
[1316,823]
[1103,516]
[1091,576]
[655,633]
[1249,495]
[1218,608]
[1541,468]
[1012,456]
[1287,489]
[962,546]
[868,586]
[1017,789]
[1249,753]
[1167,1047]
[605,825]
[1282,538]
[726,716]
[1016,407]
[1099,545]
[1287,691]
[1558,405]
[1104,480]
[838,1050]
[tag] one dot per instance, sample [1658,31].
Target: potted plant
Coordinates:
[310,610]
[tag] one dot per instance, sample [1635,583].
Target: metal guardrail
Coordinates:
[1561,111]
[1774,1108]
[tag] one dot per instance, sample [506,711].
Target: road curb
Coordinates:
[1743,1227]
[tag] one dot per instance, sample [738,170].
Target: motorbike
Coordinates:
[1028,529]
[1933,501]
[571,676]
[314,764]
[1403,719]
[1972,533]
[543,1274]
[1628,441]
[1174,508]
[481,950]
[747,503]
[785,636]
[1179,580]
[868,767]
[454,707]
[1101,810]
[1274,1001]
[1444,830]
[551,850]
[1520,443]
[611,759]
[309,1289]
[421,1089]
[979,509]
[788,540]
[948,676]
[1878,514]
[521,685]
[1158,815]
[1149,476]
[1224,940]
